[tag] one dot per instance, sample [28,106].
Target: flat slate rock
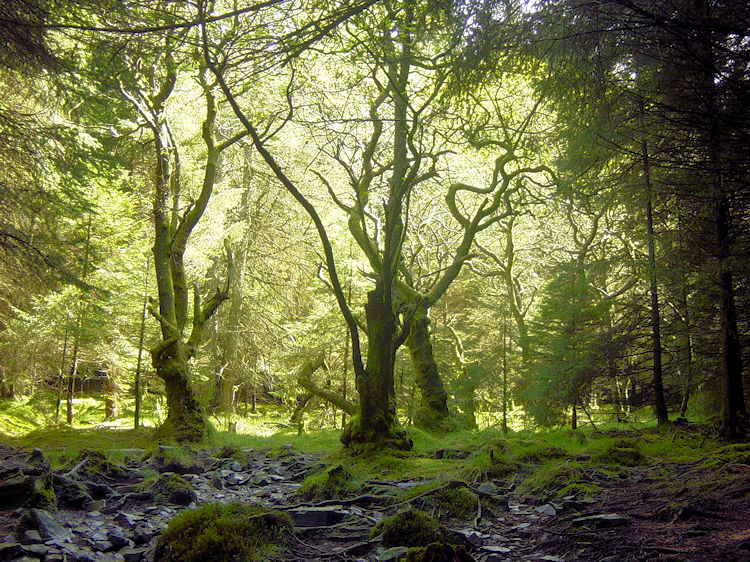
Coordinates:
[602,521]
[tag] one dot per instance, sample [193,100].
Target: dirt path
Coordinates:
[659,512]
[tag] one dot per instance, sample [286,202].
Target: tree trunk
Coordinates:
[61,377]
[505,380]
[71,385]
[112,395]
[185,419]
[376,423]
[137,382]
[660,406]
[433,408]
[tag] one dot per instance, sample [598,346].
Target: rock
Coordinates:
[37,460]
[172,488]
[393,553]
[603,521]
[17,488]
[128,519]
[79,555]
[117,539]
[49,528]
[143,535]
[38,550]
[546,557]
[216,481]
[10,550]
[133,554]
[31,536]
[95,505]
[317,516]
[69,492]
[546,509]
[489,489]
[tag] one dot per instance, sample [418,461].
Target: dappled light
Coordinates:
[374,280]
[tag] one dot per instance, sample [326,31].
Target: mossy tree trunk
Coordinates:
[434,404]
[173,226]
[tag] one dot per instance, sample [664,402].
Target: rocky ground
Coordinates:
[105,512]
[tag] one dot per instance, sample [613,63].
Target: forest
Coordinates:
[384,280]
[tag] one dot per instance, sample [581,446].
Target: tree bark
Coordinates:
[137,382]
[434,407]
[185,421]
[660,406]
[376,422]
[304,379]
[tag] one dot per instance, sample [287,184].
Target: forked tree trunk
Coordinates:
[376,423]
[433,408]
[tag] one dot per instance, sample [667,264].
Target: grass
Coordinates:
[546,464]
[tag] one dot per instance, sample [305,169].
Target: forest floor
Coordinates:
[609,497]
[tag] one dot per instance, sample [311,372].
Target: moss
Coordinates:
[449,502]
[171,488]
[490,463]
[379,434]
[623,452]
[438,552]
[408,528]
[96,463]
[738,453]
[44,493]
[332,483]
[556,480]
[223,533]
[176,459]
[537,453]
[230,452]
[428,419]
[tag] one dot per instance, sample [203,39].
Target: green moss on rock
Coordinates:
[333,483]
[408,528]
[450,502]
[172,488]
[224,533]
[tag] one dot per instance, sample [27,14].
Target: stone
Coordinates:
[546,509]
[489,489]
[602,521]
[69,492]
[317,516]
[216,481]
[133,554]
[95,505]
[117,539]
[128,519]
[9,550]
[393,553]
[31,536]
[143,535]
[496,549]
[38,550]
[49,528]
